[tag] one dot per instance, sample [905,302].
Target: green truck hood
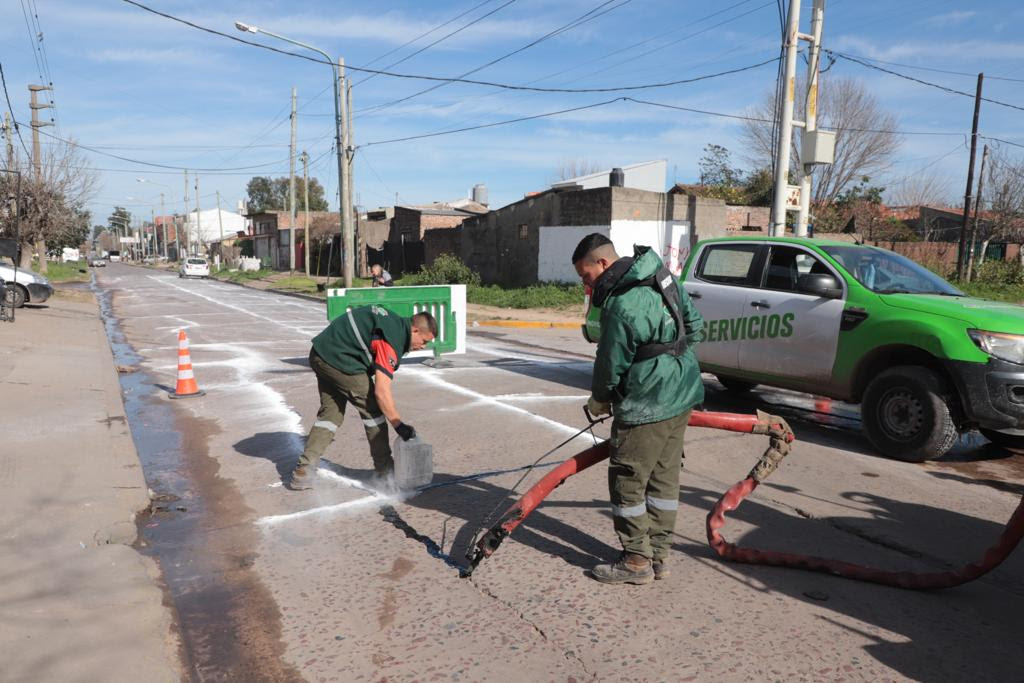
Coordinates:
[981,314]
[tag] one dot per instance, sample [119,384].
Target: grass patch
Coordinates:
[356,282]
[297,283]
[71,271]
[1013,294]
[243,276]
[549,295]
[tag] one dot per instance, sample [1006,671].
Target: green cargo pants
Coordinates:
[643,482]
[337,389]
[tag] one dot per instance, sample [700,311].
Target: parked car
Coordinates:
[194,267]
[864,325]
[97,261]
[25,285]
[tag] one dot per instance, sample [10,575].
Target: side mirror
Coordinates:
[820,284]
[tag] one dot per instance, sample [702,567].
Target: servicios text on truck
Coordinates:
[864,325]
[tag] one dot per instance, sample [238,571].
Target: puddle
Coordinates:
[198,530]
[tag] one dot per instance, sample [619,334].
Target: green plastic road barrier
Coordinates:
[447,303]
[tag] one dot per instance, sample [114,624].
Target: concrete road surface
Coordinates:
[346,583]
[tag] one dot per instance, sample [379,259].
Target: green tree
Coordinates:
[716,168]
[120,220]
[271,194]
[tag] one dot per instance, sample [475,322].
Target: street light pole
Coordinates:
[345,212]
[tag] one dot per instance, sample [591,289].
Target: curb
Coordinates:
[525,323]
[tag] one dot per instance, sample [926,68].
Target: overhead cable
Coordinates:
[14,121]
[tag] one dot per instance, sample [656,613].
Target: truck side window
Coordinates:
[730,264]
[786,265]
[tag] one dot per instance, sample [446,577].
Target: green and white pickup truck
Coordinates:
[863,325]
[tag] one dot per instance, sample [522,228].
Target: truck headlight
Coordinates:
[1008,347]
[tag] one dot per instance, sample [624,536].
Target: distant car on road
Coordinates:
[194,267]
[97,262]
[26,286]
[114,255]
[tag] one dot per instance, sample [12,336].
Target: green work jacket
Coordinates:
[657,388]
[345,343]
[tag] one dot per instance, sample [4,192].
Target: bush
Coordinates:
[1006,273]
[445,270]
[546,295]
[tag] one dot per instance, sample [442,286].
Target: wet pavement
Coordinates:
[348,583]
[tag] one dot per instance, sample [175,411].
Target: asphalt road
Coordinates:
[344,583]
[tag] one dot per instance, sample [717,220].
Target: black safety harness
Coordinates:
[665,284]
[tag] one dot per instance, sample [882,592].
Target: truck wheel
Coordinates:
[737,386]
[1011,442]
[906,415]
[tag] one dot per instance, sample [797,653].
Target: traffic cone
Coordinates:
[187,386]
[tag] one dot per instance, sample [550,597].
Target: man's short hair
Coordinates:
[424,322]
[594,240]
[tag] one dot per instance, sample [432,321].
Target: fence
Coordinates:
[447,303]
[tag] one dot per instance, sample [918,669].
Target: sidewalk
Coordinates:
[77,602]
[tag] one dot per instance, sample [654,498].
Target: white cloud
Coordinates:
[949,18]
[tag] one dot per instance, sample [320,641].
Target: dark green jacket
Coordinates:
[341,348]
[658,388]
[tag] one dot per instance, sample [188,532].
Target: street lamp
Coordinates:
[144,180]
[345,211]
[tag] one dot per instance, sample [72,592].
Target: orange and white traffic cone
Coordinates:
[187,386]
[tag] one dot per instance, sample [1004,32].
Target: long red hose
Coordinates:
[780,438]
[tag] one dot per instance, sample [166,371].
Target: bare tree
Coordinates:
[574,168]
[1004,194]
[53,202]
[866,136]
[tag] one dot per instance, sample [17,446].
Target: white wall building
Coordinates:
[211,224]
[647,175]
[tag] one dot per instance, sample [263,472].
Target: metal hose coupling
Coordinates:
[780,442]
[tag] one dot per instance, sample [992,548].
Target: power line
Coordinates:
[14,121]
[492,125]
[941,71]
[442,38]
[952,91]
[578,21]
[149,163]
[427,33]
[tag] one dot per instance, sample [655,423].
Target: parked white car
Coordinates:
[25,285]
[194,267]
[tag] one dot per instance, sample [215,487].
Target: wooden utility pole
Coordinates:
[350,154]
[291,192]
[305,188]
[199,228]
[10,141]
[962,252]
[163,222]
[977,209]
[184,219]
[37,160]
[347,246]
[220,224]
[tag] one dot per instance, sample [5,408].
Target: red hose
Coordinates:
[780,438]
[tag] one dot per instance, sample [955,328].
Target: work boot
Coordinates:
[630,568]
[661,570]
[301,478]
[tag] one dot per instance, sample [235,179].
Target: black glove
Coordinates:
[405,431]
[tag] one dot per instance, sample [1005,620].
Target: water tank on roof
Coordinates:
[480,194]
[617,178]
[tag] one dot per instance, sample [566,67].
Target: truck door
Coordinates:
[718,284]
[789,333]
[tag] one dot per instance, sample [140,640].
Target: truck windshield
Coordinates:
[886,272]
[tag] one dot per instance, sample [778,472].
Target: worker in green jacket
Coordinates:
[646,376]
[355,359]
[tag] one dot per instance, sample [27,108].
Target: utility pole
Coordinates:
[291,192]
[350,155]
[810,112]
[10,142]
[305,188]
[184,219]
[962,253]
[347,246]
[199,224]
[977,210]
[37,160]
[778,224]
[163,222]
[152,245]
[220,224]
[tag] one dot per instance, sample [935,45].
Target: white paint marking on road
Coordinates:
[504,352]
[540,397]
[432,377]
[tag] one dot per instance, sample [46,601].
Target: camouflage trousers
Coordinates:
[643,483]
[336,391]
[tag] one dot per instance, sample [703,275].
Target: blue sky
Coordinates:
[140,86]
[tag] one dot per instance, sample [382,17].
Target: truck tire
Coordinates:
[736,386]
[906,415]
[1011,442]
